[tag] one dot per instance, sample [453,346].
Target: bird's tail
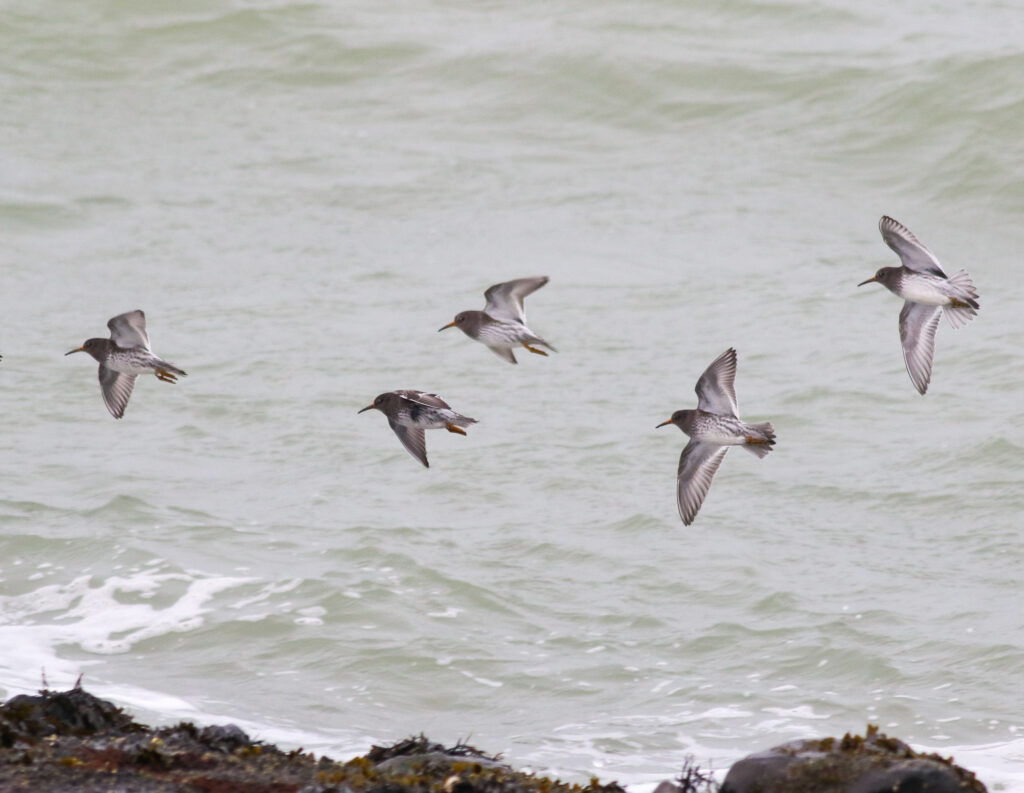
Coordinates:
[759,438]
[964,299]
[462,421]
[170,367]
[538,340]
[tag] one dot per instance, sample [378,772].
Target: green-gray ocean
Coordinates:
[299,194]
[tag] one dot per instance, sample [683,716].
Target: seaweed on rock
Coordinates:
[71,740]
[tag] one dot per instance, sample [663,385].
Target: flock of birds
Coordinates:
[713,427]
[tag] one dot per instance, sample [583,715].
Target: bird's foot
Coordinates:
[534,350]
[452,428]
[754,440]
[167,377]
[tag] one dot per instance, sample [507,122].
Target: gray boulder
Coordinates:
[874,763]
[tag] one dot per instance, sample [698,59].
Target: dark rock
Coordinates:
[64,741]
[436,761]
[76,712]
[874,763]
[61,741]
[420,745]
[224,737]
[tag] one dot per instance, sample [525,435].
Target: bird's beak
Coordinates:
[368,407]
[663,423]
[77,349]
[449,325]
[872,278]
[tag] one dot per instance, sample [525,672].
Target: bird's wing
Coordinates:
[503,352]
[423,398]
[715,390]
[129,330]
[913,255]
[917,335]
[505,301]
[116,388]
[414,439]
[697,466]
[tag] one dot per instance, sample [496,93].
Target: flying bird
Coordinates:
[123,357]
[411,412]
[713,427]
[928,293]
[501,326]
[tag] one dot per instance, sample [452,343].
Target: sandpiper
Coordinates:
[713,427]
[411,412]
[923,284]
[501,326]
[123,357]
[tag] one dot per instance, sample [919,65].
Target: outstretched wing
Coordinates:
[917,335]
[909,248]
[715,390]
[423,398]
[414,439]
[505,301]
[697,466]
[129,330]
[117,388]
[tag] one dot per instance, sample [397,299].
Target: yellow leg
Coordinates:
[750,439]
[453,428]
[534,349]
[167,377]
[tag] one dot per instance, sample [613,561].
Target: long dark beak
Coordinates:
[449,325]
[77,349]
[872,278]
[368,407]
[663,423]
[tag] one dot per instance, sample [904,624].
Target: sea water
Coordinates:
[299,194]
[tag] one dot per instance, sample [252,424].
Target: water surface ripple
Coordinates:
[300,193]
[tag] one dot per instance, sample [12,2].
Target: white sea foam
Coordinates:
[89,614]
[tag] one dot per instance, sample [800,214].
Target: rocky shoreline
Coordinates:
[61,741]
